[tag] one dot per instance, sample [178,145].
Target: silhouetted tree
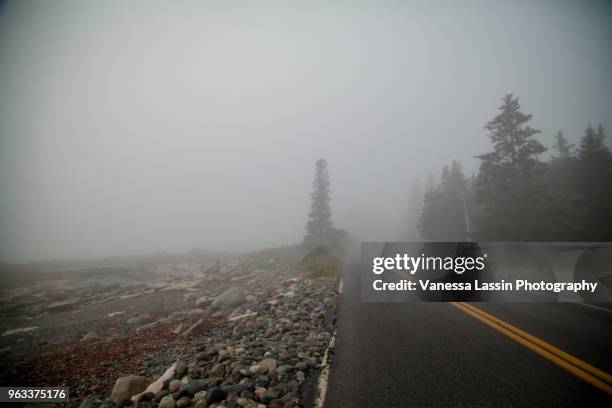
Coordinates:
[562,147]
[560,204]
[509,187]
[319,223]
[443,215]
[593,181]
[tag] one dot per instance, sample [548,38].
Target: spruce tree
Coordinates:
[443,215]
[593,180]
[509,186]
[319,223]
[562,146]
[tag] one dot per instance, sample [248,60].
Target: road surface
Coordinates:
[440,355]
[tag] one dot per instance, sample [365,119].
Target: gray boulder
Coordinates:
[126,387]
[228,299]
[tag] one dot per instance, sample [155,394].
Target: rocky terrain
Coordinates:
[172,336]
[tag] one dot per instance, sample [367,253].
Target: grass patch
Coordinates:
[324,265]
[286,257]
[316,263]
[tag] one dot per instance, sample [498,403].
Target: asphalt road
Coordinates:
[436,355]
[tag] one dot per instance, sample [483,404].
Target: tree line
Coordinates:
[517,196]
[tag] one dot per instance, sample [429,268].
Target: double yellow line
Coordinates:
[574,365]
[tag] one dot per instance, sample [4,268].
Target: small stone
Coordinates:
[254,369]
[174,385]
[260,392]
[218,370]
[267,365]
[215,395]
[200,395]
[126,387]
[230,298]
[271,394]
[167,402]
[180,367]
[183,402]
[239,331]
[262,380]
[196,386]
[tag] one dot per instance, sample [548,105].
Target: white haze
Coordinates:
[137,127]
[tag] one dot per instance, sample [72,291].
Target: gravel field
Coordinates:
[231,335]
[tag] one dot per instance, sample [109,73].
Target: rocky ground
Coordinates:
[172,336]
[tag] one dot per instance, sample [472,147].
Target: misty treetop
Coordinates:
[517,196]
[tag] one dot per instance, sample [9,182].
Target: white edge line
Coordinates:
[324,376]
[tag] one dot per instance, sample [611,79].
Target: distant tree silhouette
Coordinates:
[562,147]
[443,216]
[319,225]
[561,203]
[593,181]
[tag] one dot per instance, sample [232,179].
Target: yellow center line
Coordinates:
[566,356]
[541,347]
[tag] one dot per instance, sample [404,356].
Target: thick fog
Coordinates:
[138,127]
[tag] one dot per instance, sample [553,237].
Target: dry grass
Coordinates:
[326,265]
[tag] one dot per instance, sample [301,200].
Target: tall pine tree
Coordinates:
[319,225]
[509,186]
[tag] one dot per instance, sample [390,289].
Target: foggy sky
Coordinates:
[137,127]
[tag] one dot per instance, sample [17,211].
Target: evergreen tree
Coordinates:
[509,186]
[558,206]
[593,181]
[443,216]
[560,190]
[430,223]
[562,146]
[319,224]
